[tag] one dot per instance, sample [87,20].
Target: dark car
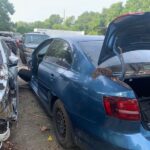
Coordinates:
[17,37]
[8,90]
[30,42]
[11,40]
[6,34]
[98,92]
[11,44]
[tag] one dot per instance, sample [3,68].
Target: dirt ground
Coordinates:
[34,130]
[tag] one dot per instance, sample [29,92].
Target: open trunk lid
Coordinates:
[129,32]
[129,35]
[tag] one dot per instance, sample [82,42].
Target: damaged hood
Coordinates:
[129,32]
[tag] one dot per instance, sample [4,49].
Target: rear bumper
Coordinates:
[113,141]
[90,143]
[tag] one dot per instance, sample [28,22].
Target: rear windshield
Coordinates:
[35,38]
[92,49]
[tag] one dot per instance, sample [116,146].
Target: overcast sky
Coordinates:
[33,10]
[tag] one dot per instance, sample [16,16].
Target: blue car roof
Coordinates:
[81,38]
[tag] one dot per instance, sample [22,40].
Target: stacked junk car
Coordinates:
[8,90]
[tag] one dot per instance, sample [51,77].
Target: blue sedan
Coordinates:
[98,89]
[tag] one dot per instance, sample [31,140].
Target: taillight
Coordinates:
[122,108]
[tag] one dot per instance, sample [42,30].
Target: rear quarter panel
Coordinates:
[83,97]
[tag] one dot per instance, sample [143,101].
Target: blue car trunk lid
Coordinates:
[129,32]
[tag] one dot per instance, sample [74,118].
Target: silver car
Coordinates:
[8,90]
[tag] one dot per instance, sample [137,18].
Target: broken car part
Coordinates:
[8,90]
[4,131]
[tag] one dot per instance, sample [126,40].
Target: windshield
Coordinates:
[92,49]
[35,38]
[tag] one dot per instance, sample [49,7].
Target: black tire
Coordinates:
[62,126]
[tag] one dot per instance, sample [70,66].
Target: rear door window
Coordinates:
[59,53]
[44,49]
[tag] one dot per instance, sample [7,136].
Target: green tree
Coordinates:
[53,20]
[23,27]
[6,9]
[38,24]
[114,11]
[69,22]
[137,5]
[88,22]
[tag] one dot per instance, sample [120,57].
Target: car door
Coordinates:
[37,58]
[38,55]
[57,60]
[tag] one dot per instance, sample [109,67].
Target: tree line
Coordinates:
[90,22]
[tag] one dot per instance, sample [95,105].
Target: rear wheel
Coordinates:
[62,125]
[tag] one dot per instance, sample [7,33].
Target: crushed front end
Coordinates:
[8,100]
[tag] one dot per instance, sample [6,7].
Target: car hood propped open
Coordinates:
[129,32]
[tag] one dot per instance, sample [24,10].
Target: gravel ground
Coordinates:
[34,130]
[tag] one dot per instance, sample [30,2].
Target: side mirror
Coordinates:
[13,61]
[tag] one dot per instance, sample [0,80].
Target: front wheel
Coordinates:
[62,125]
